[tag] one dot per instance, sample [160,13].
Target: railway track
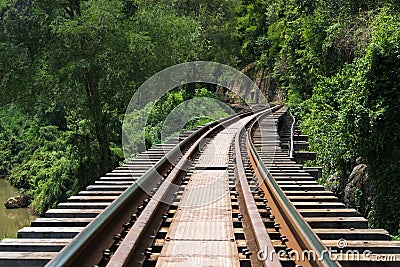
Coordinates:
[226,194]
[313,223]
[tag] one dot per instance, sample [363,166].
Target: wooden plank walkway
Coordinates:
[202,232]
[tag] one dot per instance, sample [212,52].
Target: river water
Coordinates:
[11,220]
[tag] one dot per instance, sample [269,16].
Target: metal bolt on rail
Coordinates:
[106,256]
[148,252]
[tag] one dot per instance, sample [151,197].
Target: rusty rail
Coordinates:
[301,236]
[99,233]
[260,233]
[277,223]
[123,255]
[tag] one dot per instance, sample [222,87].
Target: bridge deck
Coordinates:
[202,232]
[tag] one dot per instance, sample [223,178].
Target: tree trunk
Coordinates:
[100,124]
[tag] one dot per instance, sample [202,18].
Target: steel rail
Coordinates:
[131,242]
[79,250]
[305,237]
[260,233]
[123,255]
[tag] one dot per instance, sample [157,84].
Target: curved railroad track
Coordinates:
[225,194]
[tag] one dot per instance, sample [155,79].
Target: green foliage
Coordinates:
[48,162]
[70,68]
[157,130]
[196,122]
[13,125]
[354,114]
[396,238]
[169,39]
[36,158]
[50,177]
[218,22]
[338,64]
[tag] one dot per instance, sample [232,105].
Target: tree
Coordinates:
[92,54]
[218,20]
[74,65]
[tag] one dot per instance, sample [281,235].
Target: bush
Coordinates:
[355,113]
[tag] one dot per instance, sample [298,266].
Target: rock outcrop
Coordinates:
[17,202]
[334,184]
[358,190]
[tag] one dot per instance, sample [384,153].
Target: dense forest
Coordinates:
[69,68]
